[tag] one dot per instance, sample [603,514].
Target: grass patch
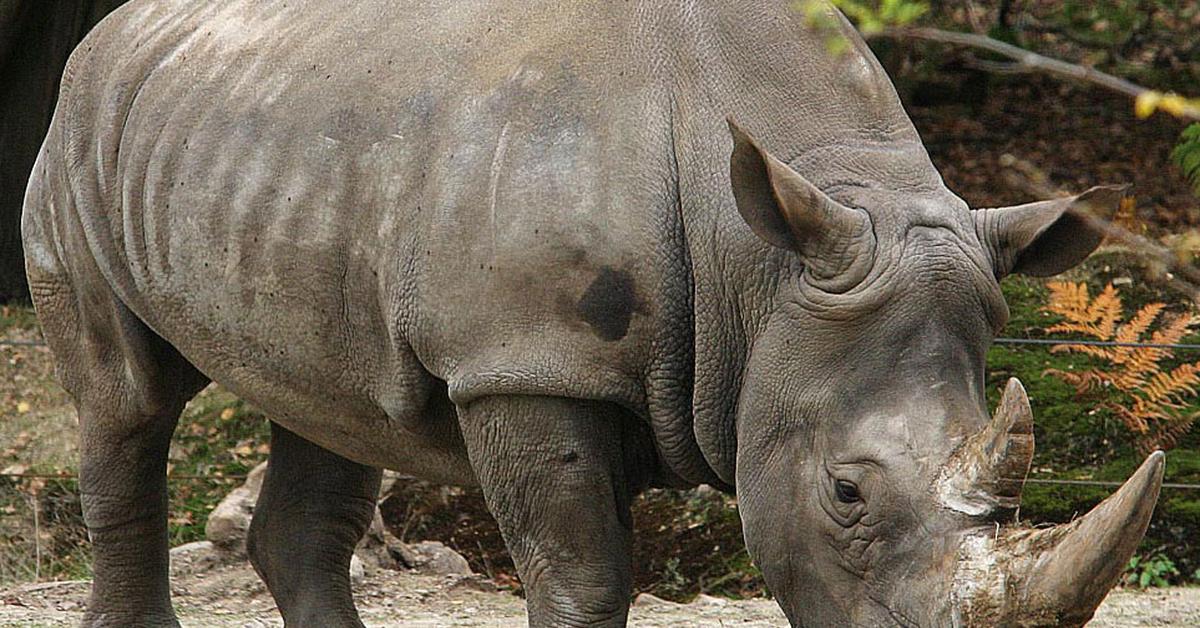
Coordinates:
[219,436]
[17,317]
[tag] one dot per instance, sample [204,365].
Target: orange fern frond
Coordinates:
[1174,329]
[1132,332]
[1168,433]
[1083,381]
[1170,387]
[1150,402]
[1106,308]
[1068,300]
[1105,353]
[1134,421]
[1092,317]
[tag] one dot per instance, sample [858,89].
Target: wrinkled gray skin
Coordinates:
[505,243]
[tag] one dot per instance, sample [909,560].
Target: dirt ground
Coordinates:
[210,592]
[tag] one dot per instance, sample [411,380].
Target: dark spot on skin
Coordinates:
[570,456]
[608,304]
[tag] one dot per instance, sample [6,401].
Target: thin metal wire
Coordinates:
[1006,341]
[73,476]
[22,343]
[1010,341]
[1097,343]
[1105,483]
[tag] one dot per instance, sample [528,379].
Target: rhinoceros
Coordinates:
[564,250]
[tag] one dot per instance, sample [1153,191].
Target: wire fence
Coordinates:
[221,478]
[1004,341]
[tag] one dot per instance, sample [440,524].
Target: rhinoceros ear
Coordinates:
[1047,237]
[788,211]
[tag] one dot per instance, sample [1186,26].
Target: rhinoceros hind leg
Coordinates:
[129,387]
[314,507]
[552,473]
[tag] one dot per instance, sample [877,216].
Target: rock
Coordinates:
[646,600]
[358,572]
[389,481]
[404,556]
[189,550]
[228,522]
[708,600]
[378,548]
[198,556]
[432,558]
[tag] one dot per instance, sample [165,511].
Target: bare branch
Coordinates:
[1027,61]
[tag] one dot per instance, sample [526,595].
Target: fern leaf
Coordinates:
[1150,402]
[1186,154]
[1106,309]
[1104,353]
[1174,330]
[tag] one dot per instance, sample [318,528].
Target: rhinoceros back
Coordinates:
[346,198]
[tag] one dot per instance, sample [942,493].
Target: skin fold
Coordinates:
[561,250]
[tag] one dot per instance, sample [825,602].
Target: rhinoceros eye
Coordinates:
[846,492]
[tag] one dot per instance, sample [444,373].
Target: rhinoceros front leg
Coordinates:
[314,507]
[552,474]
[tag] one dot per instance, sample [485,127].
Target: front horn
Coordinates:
[1063,573]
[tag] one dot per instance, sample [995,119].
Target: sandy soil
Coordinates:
[211,592]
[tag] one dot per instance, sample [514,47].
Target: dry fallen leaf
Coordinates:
[227,414]
[14,469]
[22,407]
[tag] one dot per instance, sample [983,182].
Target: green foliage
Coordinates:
[875,16]
[870,16]
[16,317]
[219,438]
[1153,571]
[1077,440]
[1187,155]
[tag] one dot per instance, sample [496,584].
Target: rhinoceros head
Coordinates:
[873,484]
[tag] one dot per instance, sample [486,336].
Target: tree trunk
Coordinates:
[36,37]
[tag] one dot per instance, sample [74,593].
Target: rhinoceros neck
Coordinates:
[836,119]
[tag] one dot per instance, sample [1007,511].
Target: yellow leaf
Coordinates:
[1147,103]
[22,407]
[227,414]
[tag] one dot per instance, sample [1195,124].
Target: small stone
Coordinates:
[228,522]
[473,582]
[197,557]
[194,548]
[434,558]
